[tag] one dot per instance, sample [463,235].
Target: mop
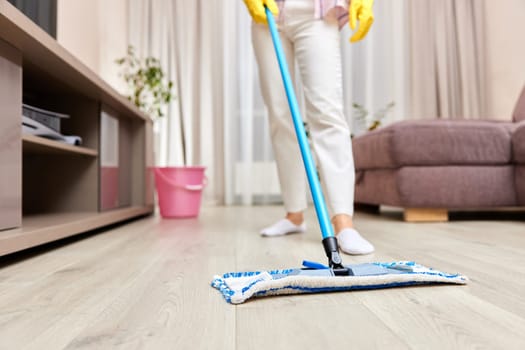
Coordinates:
[237,287]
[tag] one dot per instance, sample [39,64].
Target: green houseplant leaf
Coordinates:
[149,89]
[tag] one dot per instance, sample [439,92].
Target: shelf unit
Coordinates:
[39,229]
[39,145]
[50,190]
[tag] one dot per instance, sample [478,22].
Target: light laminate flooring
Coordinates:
[146,285]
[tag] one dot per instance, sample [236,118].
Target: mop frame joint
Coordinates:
[335,262]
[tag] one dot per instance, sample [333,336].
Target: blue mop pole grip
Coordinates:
[315,186]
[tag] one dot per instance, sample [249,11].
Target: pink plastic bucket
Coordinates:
[179,191]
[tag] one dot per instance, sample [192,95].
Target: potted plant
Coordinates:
[367,121]
[179,188]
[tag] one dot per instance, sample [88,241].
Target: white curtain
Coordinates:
[185,36]
[447,50]
[377,69]
[219,115]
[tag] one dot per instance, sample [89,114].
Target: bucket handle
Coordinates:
[186,187]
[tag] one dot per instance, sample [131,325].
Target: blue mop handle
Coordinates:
[315,186]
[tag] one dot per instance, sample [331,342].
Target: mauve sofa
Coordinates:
[430,167]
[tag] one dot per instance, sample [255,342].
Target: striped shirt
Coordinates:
[325,9]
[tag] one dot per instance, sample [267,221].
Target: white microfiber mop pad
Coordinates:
[237,287]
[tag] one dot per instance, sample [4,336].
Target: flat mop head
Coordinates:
[237,287]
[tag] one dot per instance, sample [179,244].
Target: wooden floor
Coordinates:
[146,285]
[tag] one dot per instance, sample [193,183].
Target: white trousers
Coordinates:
[314,45]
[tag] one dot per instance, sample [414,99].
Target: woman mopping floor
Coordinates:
[309,32]
[237,287]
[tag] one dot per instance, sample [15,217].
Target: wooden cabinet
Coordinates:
[10,143]
[48,189]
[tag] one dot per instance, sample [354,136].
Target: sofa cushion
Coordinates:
[519,110]
[452,187]
[378,187]
[434,142]
[518,144]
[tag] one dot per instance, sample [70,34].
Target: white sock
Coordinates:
[351,242]
[283,227]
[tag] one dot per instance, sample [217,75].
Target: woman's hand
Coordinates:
[360,10]
[256,9]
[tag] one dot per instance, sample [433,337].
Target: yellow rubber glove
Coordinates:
[256,9]
[360,10]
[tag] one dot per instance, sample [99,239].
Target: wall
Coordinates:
[505,28]
[96,31]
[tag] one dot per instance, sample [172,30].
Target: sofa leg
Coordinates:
[425,215]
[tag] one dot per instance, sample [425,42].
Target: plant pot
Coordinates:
[179,190]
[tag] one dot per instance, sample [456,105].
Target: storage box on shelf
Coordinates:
[50,189]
